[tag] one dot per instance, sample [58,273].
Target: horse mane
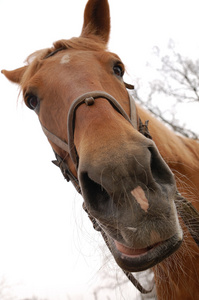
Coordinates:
[35,60]
[191,144]
[169,143]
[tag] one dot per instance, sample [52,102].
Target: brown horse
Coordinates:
[95,129]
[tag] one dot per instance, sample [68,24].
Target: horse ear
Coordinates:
[97,19]
[15,75]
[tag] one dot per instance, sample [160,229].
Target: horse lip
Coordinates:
[132,252]
[136,260]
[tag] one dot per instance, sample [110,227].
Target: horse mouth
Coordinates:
[129,259]
[136,260]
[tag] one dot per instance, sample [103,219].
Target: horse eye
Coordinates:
[118,70]
[32,101]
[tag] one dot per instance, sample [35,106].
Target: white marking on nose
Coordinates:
[65,59]
[139,195]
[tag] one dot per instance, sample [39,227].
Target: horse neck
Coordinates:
[177,276]
[181,154]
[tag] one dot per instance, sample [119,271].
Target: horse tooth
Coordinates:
[132,229]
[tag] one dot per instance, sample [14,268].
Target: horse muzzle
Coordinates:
[133,203]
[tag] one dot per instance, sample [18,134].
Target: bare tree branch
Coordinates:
[158,113]
[178,79]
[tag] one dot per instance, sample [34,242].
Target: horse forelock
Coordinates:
[35,60]
[81,43]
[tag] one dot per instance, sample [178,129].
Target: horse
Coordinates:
[133,175]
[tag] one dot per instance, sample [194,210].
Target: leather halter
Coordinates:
[87,99]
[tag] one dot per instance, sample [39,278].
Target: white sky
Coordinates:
[47,245]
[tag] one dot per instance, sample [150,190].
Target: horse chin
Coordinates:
[136,260]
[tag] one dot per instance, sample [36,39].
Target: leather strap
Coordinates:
[55,139]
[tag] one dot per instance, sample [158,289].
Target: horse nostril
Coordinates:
[160,171]
[94,194]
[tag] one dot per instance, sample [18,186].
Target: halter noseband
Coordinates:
[89,99]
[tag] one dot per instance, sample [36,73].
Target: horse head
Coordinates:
[126,185]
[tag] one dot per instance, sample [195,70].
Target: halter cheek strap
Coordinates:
[68,175]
